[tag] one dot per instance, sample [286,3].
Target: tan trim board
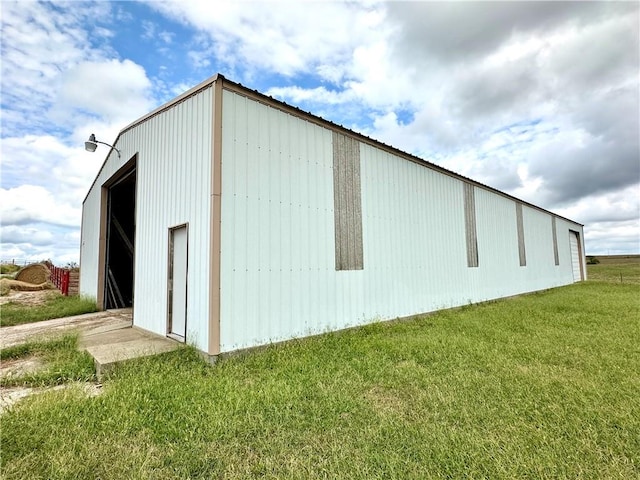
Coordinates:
[347,203]
[554,235]
[471,233]
[522,252]
[216,221]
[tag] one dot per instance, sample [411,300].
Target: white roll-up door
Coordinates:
[575,256]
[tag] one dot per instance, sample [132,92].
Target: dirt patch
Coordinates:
[34,298]
[35,274]
[17,367]
[10,396]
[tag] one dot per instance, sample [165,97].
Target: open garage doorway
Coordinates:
[120,240]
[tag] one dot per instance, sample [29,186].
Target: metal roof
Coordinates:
[261,97]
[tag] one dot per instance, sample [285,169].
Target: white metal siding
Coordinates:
[278,277]
[414,236]
[173,188]
[499,273]
[542,271]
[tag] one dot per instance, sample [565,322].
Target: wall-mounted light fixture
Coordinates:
[91,145]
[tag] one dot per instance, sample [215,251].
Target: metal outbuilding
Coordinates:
[229,220]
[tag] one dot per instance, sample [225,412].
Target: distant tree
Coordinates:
[592,260]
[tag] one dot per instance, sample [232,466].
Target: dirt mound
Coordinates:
[35,274]
[8,284]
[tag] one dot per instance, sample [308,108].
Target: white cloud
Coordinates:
[612,221]
[26,235]
[320,95]
[39,42]
[612,238]
[114,90]
[29,204]
[619,206]
[287,38]
[60,82]
[539,99]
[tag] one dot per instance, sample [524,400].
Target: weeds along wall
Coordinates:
[290,210]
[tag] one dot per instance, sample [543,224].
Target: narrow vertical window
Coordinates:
[470,225]
[521,250]
[556,258]
[347,208]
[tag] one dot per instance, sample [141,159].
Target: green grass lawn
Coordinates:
[9,268]
[56,306]
[545,385]
[620,273]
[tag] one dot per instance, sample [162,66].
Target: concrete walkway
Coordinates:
[107,336]
[18,334]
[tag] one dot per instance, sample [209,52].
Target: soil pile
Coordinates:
[35,274]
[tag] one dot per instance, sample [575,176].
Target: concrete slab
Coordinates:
[110,347]
[103,336]
[18,334]
[107,336]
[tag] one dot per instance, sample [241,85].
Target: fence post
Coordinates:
[60,277]
[65,282]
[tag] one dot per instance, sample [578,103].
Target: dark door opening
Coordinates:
[120,242]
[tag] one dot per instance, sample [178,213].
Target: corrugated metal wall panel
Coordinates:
[278,271]
[499,271]
[416,255]
[173,187]
[277,225]
[278,274]
[541,271]
[499,249]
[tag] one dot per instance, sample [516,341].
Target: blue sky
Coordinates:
[539,99]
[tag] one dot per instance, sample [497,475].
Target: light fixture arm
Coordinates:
[103,143]
[91,144]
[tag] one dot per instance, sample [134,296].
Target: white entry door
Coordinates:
[178,251]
